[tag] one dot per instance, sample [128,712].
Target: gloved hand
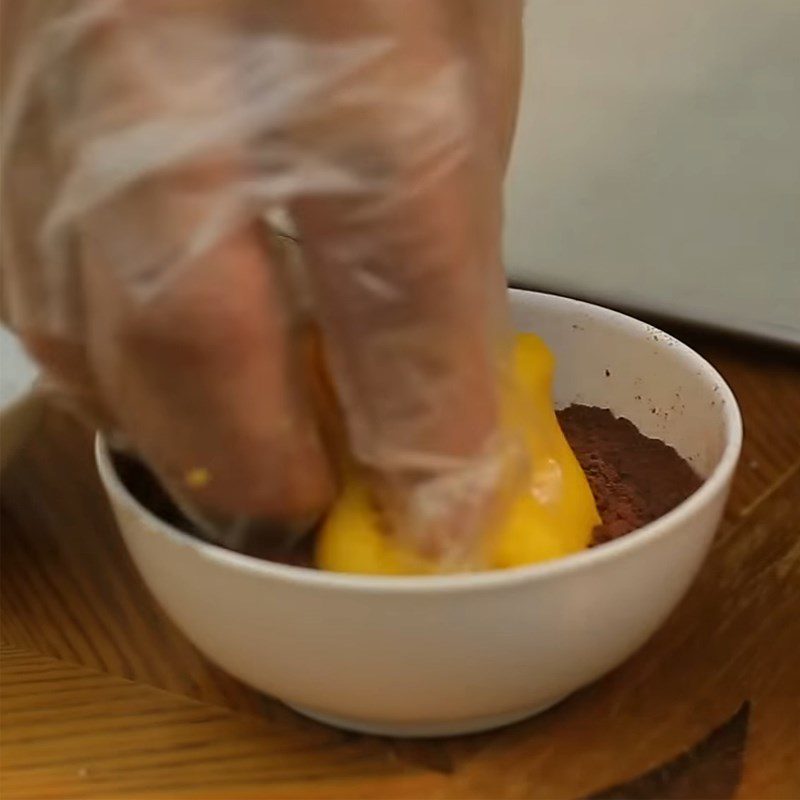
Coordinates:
[145,146]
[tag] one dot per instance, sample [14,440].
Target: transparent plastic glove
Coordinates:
[144,145]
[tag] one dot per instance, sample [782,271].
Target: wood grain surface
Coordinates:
[103,698]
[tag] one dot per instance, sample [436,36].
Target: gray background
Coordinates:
[657,159]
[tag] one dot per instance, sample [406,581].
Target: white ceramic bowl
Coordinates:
[424,656]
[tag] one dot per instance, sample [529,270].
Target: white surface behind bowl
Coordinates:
[656,162]
[19,408]
[17,371]
[424,656]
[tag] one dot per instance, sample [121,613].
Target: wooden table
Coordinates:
[104,698]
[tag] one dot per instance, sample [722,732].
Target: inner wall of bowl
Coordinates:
[612,361]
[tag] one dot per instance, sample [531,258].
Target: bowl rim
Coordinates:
[654,531]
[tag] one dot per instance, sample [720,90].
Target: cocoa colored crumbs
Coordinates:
[634,479]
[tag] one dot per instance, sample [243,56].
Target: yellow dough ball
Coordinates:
[552,517]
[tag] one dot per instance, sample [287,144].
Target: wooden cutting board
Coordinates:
[103,698]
